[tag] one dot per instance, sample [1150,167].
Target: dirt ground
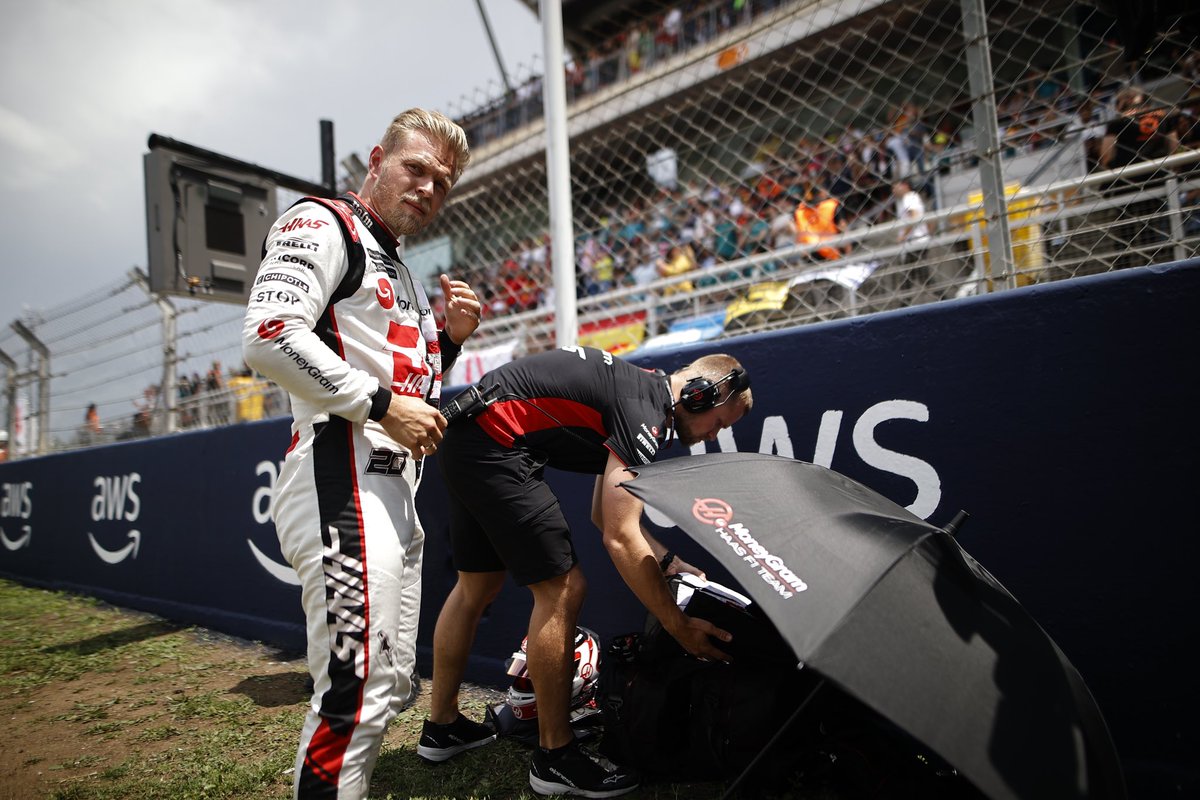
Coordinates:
[62,733]
[57,731]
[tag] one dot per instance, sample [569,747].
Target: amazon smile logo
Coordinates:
[16,506]
[121,553]
[22,540]
[261,505]
[117,499]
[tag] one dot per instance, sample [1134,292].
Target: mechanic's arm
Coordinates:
[676,566]
[621,513]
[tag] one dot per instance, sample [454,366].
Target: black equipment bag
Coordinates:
[678,718]
[681,719]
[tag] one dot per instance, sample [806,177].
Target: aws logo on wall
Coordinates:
[776,438]
[116,500]
[16,507]
[260,507]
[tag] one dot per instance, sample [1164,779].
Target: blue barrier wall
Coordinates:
[1058,416]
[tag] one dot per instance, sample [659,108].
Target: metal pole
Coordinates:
[170,379]
[328,167]
[43,375]
[10,395]
[987,140]
[729,792]
[558,175]
[1175,217]
[487,28]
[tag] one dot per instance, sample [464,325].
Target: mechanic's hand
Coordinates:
[462,309]
[693,637]
[679,566]
[414,424]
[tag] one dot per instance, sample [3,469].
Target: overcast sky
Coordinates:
[83,83]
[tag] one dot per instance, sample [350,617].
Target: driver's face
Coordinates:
[411,183]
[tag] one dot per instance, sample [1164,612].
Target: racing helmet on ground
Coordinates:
[520,697]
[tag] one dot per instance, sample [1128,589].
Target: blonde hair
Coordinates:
[714,367]
[434,124]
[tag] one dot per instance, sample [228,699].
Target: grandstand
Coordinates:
[697,130]
[751,114]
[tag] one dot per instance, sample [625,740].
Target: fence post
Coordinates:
[43,376]
[1175,217]
[170,381]
[10,396]
[987,140]
[558,176]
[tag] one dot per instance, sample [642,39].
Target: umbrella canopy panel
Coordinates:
[805,557]
[892,610]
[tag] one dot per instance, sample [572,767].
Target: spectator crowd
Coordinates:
[804,191]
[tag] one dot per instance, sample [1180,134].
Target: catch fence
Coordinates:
[1029,142]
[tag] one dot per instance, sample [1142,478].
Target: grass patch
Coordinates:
[108,728]
[159,733]
[77,678]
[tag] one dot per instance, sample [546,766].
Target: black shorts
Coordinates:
[503,516]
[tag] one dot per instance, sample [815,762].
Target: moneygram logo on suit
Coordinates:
[116,497]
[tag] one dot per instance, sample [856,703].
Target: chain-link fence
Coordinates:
[745,166]
[803,161]
[122,364]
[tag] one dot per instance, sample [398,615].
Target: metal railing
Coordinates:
[1065,229]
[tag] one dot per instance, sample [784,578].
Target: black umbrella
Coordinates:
[893,611]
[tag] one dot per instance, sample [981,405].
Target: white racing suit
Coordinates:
[337,320]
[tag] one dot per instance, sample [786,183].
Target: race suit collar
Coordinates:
[378,228]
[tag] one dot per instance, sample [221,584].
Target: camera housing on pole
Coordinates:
[206,217]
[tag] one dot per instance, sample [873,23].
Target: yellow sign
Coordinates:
[769,296]
[1029,253]
[619,335]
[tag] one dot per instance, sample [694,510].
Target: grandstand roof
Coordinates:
[588,23]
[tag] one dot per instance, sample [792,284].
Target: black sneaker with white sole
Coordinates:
[440,742]
[579,772]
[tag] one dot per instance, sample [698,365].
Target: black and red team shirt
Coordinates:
[575,405]
[1139,137]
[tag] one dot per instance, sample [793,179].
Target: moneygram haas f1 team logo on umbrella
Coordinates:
[714,512]
[768,566]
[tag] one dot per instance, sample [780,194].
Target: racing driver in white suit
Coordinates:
[335,318]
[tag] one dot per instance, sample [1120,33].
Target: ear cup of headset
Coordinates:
[698,394]
[701,394]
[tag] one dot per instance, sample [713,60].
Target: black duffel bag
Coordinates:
[677,718]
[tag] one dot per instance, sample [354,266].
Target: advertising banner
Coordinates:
[1058,416]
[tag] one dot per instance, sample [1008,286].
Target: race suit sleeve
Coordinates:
[305,262]
[450,351]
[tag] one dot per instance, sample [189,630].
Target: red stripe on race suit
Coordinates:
[325,753]
[505,420]
[326,749]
